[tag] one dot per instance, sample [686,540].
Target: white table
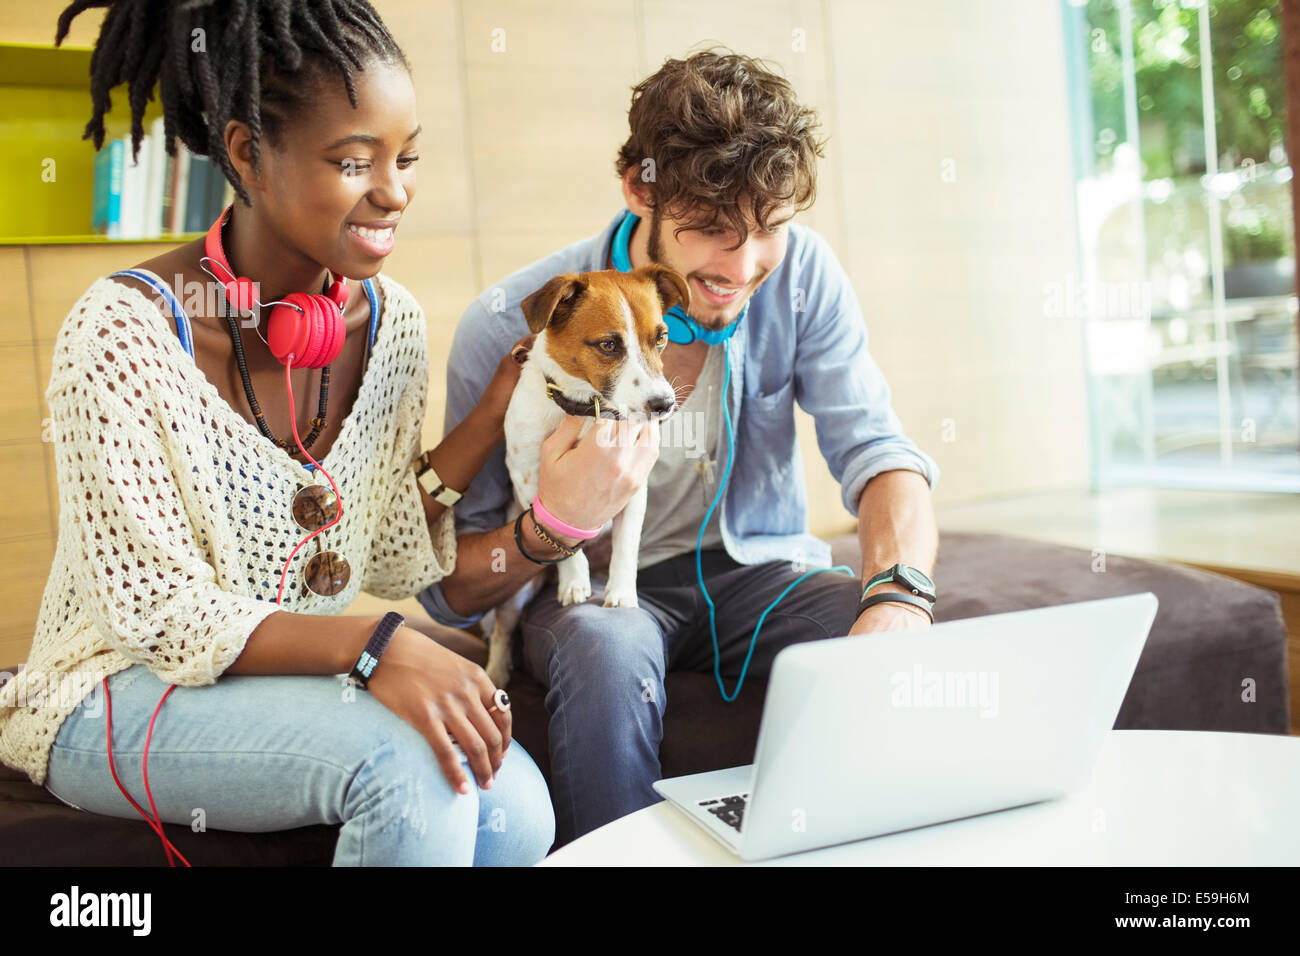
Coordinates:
[1156,798]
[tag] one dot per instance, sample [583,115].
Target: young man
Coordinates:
[719,158]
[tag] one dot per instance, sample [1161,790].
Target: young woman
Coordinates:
[185,482]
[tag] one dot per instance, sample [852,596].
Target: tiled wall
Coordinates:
[946,192]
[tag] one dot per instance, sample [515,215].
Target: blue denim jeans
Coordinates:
[261,753]
[604,667]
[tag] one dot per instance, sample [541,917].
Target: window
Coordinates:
[1186,242]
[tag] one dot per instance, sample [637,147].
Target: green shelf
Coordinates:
[31,64]
[90,239]
[47,167]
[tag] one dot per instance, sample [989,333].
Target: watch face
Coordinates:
[916,579]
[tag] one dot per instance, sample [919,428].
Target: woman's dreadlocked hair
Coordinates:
[260,62]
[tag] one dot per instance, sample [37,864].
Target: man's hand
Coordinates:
[889,615]
[583,482]
[896,524]
[586,481]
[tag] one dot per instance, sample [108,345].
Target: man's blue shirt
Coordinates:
[803,340]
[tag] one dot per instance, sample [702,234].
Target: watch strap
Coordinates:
[881,578]
[897,597]
[895,575]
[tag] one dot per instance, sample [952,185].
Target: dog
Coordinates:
[598,349]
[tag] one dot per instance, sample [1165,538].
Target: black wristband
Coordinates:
[519,543]
[383,633]
[898,597]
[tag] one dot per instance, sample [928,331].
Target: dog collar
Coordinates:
[589,408]
[682,329]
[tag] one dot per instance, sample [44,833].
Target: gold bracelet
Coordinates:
[545,536]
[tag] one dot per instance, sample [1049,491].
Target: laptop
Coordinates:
[863,736]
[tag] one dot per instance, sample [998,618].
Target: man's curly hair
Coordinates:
[728,139]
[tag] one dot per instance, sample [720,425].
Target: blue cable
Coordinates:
[699,542]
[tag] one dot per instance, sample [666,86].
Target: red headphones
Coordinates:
[303,329]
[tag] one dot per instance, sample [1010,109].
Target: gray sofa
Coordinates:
[1209,634]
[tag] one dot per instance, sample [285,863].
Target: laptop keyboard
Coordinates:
[730,810]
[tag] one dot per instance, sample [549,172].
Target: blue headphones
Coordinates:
[682,329]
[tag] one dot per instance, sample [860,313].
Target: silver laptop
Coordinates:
[868,735]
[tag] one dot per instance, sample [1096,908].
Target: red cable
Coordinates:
[148,737]
[156,822]
[168,846]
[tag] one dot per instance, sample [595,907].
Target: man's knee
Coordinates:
[591,647]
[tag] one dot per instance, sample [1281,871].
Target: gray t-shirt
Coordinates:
[684,481]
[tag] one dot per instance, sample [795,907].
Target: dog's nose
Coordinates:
[659,405]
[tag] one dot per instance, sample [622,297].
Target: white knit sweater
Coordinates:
[174,512]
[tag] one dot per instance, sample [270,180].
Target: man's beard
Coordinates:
[655,249]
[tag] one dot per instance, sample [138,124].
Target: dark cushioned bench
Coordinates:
[1210,632]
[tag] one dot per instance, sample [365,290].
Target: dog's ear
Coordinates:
[550,305]
[672,288]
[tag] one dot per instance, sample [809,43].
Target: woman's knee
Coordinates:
[516,819]
[406,803]
[404,775]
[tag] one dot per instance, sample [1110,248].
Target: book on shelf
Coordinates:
[168,186]
[180,188]
[106,217]
[196,202]
[154,195]
[153,201]
[134,184]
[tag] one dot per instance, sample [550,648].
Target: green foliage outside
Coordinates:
[1246,62]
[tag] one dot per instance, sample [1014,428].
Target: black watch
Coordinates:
[915,580]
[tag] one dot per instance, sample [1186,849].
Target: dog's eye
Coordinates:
[608,346]
[662,340]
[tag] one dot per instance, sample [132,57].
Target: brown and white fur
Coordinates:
[577,318]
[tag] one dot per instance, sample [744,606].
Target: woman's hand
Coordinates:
[496,397]
[444,696]
[586,482]
[466,448]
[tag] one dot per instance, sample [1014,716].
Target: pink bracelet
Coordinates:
[556,524]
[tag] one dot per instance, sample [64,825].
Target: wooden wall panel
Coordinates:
[517,161]
[26,566]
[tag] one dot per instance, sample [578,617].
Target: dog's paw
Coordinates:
[620,595]
[574,592]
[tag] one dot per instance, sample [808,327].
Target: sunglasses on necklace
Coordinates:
[327,572]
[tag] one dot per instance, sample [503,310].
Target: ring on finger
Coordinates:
[500,702]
